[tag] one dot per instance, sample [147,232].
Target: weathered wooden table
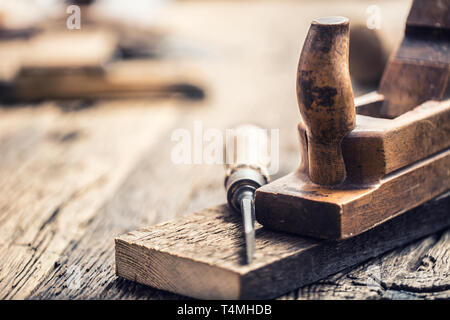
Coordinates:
[73,178]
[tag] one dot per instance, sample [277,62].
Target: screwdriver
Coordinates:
[246,171]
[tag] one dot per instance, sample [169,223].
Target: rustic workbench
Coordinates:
[73,176]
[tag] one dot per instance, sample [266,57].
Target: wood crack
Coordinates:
[75,195]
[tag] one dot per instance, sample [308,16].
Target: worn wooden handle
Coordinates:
[325,97]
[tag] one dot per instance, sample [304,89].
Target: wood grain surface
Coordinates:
[200,255]
[76,175]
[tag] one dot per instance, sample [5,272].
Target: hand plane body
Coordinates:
[367,160]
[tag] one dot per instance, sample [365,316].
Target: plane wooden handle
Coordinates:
[325,97]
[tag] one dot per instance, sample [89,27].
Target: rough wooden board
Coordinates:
[417,271]
[200,255]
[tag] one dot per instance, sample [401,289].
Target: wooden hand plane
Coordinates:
[361,165]
[367,160]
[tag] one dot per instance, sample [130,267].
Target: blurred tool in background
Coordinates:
[246,164]
[110,56]
[134,26]
[21,18]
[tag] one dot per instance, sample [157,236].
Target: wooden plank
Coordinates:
[419,270]
[201,255]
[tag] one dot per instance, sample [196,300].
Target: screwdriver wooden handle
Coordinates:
[246,144]
[246,161]
[325,97]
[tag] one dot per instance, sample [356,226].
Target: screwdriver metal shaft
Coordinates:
[244,175]
[248,217]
